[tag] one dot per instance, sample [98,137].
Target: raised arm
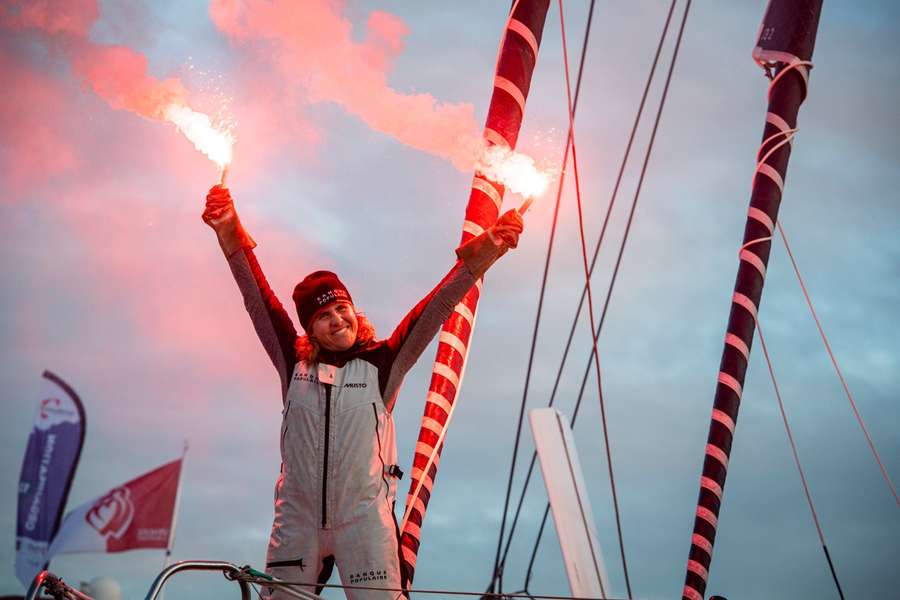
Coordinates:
[272,323]
[420,325]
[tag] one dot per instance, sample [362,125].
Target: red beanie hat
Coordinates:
[317,290]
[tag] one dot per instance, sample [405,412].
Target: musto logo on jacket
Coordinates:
[112,514]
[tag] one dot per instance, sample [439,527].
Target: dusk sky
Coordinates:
[114,283]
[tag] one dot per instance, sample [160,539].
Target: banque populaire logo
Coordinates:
[112,514]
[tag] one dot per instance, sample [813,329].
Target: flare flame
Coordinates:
[516,171]
[214,140]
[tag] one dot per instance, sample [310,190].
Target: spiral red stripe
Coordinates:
[515,65]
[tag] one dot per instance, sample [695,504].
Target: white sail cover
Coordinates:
[569,502]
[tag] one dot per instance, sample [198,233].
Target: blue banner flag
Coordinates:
[54,447]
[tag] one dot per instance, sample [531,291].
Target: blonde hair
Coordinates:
[307,347]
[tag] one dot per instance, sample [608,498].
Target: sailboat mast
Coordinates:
[785,46]
[512,80]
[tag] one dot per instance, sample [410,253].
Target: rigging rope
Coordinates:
[587,283]
[790,435]
[600,239]
[623,243]
[498,563]
[840,374]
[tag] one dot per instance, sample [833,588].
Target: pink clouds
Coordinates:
[312,44]
[31,121]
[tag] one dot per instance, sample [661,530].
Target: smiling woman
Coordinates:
[333,324]
[334,499]
[307,347]
[326,311]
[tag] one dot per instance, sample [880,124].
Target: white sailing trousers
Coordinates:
[364,551]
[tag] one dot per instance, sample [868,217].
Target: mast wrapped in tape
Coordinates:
[512,80]
[786,40]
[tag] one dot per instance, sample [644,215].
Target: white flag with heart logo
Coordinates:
[136,514]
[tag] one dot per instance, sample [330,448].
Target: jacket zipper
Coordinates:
[387,486]
[287,409]
[325,460]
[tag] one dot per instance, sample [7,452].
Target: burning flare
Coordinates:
[215,141]
[514,170]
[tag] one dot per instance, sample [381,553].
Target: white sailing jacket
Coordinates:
[338,445]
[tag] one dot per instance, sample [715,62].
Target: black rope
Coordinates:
[625,236]
[603,229]
[537,543]
[257,590]
[498,564]
[833,572]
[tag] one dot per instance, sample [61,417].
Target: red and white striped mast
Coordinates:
[512,80]
[785,47]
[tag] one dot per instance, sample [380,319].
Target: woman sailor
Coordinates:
[334,498]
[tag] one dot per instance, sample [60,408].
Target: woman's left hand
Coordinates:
[507,229]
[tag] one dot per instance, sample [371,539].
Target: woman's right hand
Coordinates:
[221,216]
[219,209]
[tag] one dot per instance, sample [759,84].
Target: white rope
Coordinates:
[788,136]
[756,241]
[802,66]
[837,368]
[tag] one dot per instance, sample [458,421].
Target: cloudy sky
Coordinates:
[113,281]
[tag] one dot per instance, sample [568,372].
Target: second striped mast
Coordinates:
[785,47]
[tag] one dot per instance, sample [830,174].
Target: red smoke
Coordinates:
[313,45]
[119,75]
[72,17]
[115,73]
